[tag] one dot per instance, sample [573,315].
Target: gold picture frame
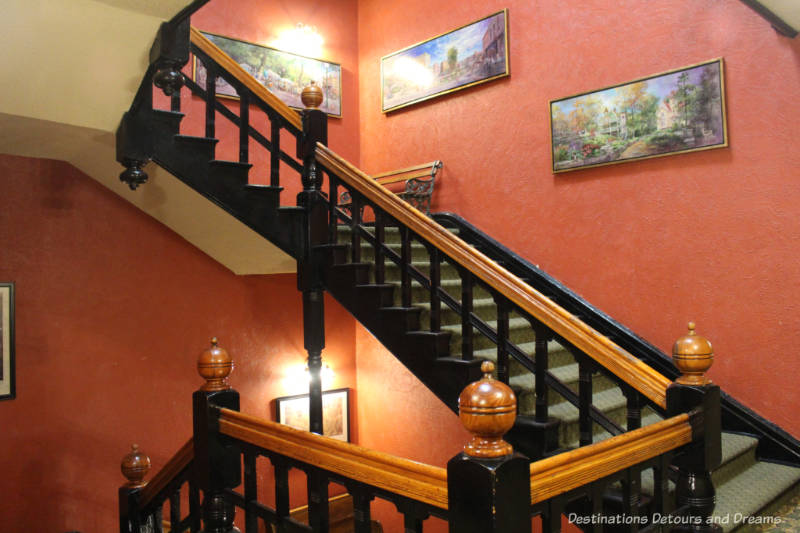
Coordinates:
[469,55]
[674,112]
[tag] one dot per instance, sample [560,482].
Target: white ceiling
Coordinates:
[788,10]
[74,71]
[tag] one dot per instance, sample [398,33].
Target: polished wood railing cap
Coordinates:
[135,467]
[693,355]
[215,365]
[487,409]
[312,96]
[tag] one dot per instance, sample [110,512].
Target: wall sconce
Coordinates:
[298,378]
[302,40]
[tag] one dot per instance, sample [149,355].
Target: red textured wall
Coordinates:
[112,310]
[710,236]
[261,22]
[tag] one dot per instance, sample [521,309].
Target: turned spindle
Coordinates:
[312,96]
[134,467]
[693,356]
[487,409]
[215,365]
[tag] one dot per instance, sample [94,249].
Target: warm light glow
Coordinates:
[412,71]
[297,378]
[302,39]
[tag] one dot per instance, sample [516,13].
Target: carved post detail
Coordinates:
[135,466]
[488,483]
[169,54]
[693,355]
[315,233]
[217,460]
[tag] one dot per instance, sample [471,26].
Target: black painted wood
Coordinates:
[502,338]
[435,282]
[541,358]
[244,128]
[585,401]
[467,284]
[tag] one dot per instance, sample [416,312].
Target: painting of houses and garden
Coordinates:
[475,53]
[678,111]
[283,73]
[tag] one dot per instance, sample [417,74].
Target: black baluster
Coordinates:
[250,492]
[194,507]
[435,279]
[584,401]
[318,512]
[362,515]
[597,492]
[405,263]
[631,494]
[634,406]
[502,338]
[542,363]
[275,152]
[355,232]
[412,523]
[211,98]
[662,503]
[551,519]
[281,473]
[244,128]
[380,238]
[157,520]
[467,283]
[175,509]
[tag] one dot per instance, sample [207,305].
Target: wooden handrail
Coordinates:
[174,466]
[405,170]
[407,478]
[226,62]
[566,471]
[634,372]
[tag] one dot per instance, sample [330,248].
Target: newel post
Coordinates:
[693,356]
[488,484]
[134,466]
[315,232]
[217,461]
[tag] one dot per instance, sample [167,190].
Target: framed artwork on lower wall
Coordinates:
[293,411]
[8,388]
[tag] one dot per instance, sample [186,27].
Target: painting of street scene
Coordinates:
[473,54]
[678,111]
[283,73]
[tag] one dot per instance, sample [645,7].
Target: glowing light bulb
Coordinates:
[302,40]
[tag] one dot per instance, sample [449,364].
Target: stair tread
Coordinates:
[766,480]
[527,347]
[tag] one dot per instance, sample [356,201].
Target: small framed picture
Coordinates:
[293,411]
[7,383]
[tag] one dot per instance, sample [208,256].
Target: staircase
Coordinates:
[439,317]
[745,485]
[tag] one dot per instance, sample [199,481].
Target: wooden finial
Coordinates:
[487,409]
[312,96]
[134,467]
[693,356]
[215,365]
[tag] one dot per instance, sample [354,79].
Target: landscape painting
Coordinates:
[283,73]
[678,111]
[293,411]
[472,54]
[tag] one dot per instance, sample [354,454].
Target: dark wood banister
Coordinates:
[401,476]
[226,62]
[636,373]
[169,472]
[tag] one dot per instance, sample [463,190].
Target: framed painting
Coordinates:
[670,113]
[283,73]
[7,383]
[293,411]
[472,54]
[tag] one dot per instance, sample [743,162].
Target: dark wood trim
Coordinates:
[777,23]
